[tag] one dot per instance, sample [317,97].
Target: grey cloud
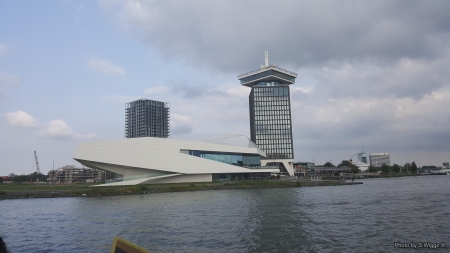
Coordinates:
[195,91]
[370,66]
[231,36]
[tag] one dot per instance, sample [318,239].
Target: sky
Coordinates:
[372,75]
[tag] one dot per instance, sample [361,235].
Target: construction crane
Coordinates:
[37,163]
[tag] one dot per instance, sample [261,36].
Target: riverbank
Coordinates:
[24,191]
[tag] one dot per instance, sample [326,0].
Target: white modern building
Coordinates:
[150,160]
[378,159]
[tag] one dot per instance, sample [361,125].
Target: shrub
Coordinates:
[141,187]
[192,185]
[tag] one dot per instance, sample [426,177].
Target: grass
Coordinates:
[78,190]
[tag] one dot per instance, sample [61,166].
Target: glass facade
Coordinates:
[229,158]
[270,120]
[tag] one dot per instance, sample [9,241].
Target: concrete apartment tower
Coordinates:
[147,118]
[270,114]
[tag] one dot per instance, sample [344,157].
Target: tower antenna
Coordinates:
[267,58]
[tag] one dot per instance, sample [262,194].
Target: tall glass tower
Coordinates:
[270,113]
[147,118]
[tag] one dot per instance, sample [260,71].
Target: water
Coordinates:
[359,218]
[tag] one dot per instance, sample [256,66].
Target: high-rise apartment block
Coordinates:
[147,118]
[270,113]
[378,159]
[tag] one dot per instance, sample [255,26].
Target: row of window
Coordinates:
[268,99]
[283,139]
[280,156]
[272,122]
[274,146]
[273,142]
[266,127]
[275,102]
[275,91]
[274,117]
[277,151]
[234,159]
[273,137]
[267,113]
[276,108]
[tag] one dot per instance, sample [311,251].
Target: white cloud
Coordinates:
[4,48]
[21,119]
[156,90]
[105,67]
[120,98]
[58,129]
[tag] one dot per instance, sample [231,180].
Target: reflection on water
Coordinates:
[360,218]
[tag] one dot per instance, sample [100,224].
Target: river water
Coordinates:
[358,218]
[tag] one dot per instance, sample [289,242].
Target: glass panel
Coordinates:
[228,159]
[234,159]
[221,158]
[215,157]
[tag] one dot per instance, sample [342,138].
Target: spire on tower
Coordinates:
[267,58]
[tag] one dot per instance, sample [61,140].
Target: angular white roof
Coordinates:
[163,154]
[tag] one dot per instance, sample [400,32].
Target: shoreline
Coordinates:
[87,191]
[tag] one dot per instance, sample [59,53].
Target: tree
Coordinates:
[328,164]
[385,169]
[372,169]
[406,168]
[395,168]
[413,167]
[352,167]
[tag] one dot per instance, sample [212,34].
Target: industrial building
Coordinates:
[270,114]
[147,118]
[150,160]
[378,159]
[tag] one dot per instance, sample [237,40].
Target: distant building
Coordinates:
[303,168]
[363,167]
[147,118]
[378,159]
[446,165]
[362,157]
[332,170]
[72,174]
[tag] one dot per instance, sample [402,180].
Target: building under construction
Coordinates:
[72,174]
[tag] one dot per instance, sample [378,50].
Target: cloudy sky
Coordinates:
[372,75]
